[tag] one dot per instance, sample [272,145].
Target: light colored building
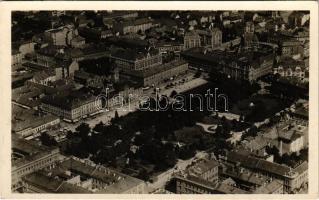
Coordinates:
[125,27]
[133,60]
[60,36]
[191,40]
[217,36]
[77,42]
[205,169]
[44,77]
[16,58]
[291,68]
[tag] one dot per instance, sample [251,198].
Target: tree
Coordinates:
[115,118]
[252,131]
[47,140]
[173,93]
[99,127]
[83,130]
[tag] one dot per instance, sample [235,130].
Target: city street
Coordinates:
[106,116]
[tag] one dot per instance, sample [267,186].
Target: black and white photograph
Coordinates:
[160,101]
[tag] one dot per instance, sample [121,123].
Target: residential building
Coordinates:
[60,36]
[292,178]
[289,67]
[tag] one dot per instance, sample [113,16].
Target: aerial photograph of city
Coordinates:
[159,101]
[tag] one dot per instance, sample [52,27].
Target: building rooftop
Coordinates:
[258,164]
[155,70]
[68,100]
[52,185]
[200,168]
[115,182]
[25,151]
[26,120]
[134,55]
[269,188]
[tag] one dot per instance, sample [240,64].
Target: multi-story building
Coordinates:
[292,178]
[71,106]
[170,47]
[249,34]
[28,157]
[84,177]
[205,169]
[128,59]
[191,40]
[291,48]
[59,36]
[45,77]
[247,65]
[250,66]
[77,42]
[298,18]
[216,38]
[159,74]
[31,125]
[24,47]
[57,13]
[16,58]
[128,26]
[291,68]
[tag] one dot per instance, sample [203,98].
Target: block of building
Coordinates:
[157,75]
[71,106]
[28,157]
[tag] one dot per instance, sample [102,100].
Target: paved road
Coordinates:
[106,116]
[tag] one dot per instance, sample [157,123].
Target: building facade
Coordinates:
[71,110]
[191,40]
[216,38]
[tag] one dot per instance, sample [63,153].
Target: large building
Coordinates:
[59,36]
[292,178]
[289,67]
[28,157]
[16,57]
[191,40]
[216,38]
[159,74]
[247,65]
[129,59]
[26,122]
[71,106]
[74,176]
[134,26]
